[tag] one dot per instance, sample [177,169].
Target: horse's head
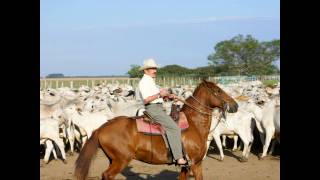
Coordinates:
[217,97]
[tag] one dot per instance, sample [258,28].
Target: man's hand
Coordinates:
[173,96]
[163,92]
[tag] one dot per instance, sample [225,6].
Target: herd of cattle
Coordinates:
[69,116]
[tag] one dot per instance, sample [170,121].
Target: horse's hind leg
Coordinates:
[114,168]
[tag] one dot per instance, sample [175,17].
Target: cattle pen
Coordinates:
[75,82]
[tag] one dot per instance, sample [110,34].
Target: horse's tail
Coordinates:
[83,162]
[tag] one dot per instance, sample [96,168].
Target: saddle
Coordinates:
[146,125]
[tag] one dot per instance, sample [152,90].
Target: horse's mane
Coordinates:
[202,84]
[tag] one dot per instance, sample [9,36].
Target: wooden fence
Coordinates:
[162,81]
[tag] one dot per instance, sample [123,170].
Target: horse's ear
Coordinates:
[205,79]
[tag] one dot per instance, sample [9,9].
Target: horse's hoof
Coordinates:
[64,161]
[261,158]
[46,162]
[220,159]
[71,154]
[234,150]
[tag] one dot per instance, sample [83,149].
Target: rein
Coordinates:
[193,107]
[201,105]
[219,120]
[210,108]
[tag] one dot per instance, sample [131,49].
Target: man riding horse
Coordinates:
[120,147]
[152,97]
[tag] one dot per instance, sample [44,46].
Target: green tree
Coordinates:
[205,71]
[55,75]
[134,71]
[245,56]
[173,70]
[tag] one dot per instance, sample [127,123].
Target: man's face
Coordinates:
[151,72]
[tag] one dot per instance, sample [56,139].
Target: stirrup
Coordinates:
[187,164]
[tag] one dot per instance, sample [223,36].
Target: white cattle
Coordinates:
[49,129]
[264,118]
[239,123]
[49,148]
[85,120]
[277,129]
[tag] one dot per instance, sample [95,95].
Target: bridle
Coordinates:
[194,107]
[202,105]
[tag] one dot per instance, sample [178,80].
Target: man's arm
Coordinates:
[162,93]
[151,98]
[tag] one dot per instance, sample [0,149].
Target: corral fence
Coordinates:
[162,81]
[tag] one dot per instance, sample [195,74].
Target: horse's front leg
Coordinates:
[184,174]
[197,171]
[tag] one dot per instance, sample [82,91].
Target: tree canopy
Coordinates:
[246,56]
[55,75]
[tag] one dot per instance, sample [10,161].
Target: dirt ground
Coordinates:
[230,168]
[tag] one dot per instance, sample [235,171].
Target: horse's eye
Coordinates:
[51,94]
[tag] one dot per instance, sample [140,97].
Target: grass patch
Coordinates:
[270,83]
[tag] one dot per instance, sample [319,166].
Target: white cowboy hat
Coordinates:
[149,63]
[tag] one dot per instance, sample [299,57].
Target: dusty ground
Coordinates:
[229,169]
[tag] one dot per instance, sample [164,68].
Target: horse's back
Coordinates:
[119,124]
[120,127]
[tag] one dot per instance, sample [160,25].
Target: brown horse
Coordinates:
[121,142]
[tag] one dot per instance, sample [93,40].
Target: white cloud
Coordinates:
[216,19]
[199,20]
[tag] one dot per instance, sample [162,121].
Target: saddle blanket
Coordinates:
[157,129]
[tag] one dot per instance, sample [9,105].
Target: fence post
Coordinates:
[71,84]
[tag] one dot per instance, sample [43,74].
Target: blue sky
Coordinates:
[99,37]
